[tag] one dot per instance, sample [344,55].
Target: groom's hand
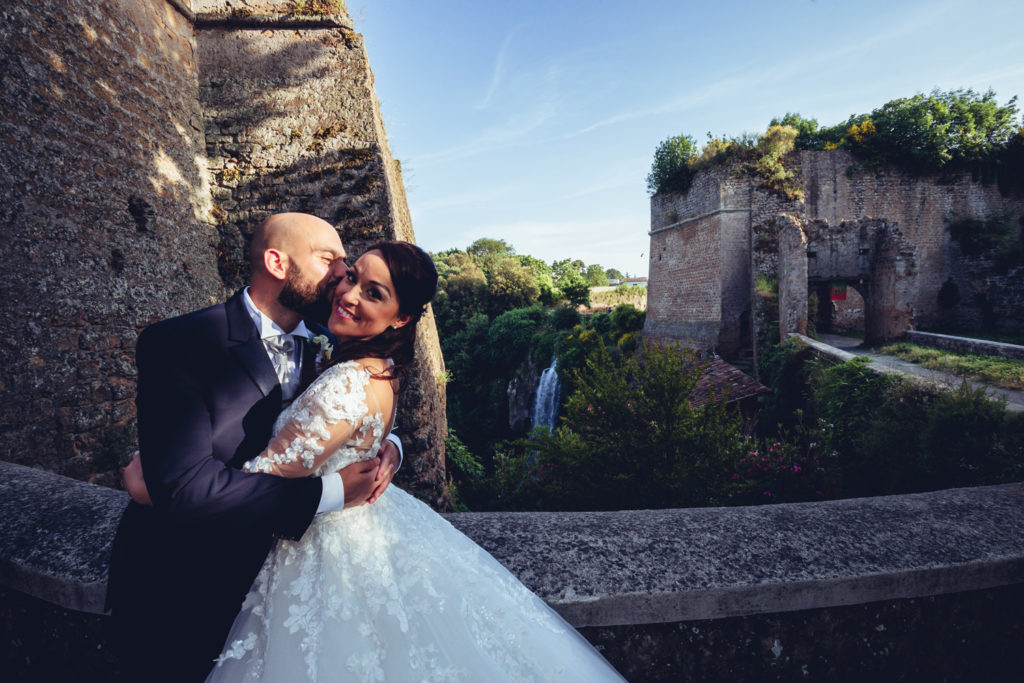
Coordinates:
[389,462]
[359,480]
[134,484]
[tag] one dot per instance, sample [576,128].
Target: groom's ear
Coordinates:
[275,262]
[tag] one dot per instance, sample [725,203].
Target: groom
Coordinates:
[210,385]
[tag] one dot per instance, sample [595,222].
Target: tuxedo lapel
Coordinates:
[247,347]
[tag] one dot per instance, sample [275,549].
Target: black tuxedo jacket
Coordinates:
[207,400]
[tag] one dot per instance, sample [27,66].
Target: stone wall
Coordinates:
[962,345]
[832,590]
[104,218]
[692,301]
[142,144]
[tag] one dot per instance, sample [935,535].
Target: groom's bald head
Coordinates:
[292,234]
[291,256]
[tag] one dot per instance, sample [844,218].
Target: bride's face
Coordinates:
[364,302]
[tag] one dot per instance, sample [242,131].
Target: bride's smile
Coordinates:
[364,300]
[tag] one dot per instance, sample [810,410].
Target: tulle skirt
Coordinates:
[393,592]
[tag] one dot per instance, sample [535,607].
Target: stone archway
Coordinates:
[871,253]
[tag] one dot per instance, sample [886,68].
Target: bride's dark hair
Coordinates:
[415,279]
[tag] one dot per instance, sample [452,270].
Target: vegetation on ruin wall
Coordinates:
[943,132]
[315,8]
[678,159]
[995,237]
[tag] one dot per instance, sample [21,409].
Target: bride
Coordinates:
[388,591]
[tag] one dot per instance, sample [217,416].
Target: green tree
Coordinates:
[575,289]
[489,252]
[930,132]
[567,268]
[595,276]
[805,128]
[670,171]
[545,278]
[510,334]
[511,285]
[614,274]
[461,295]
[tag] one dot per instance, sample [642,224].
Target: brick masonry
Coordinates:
[887,231]
[140,149]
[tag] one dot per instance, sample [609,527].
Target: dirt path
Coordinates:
[1014,399]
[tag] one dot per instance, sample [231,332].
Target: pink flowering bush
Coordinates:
[780,473]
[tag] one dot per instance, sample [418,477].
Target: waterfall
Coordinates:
[545,407]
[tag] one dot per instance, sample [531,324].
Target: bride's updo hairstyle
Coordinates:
[415,280]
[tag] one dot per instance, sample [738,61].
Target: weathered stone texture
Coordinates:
[292,124]
[102,214]
[898,269]
[139,153]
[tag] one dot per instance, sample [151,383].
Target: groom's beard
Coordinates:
[304,297]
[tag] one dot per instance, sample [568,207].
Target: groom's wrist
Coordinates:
[393,438]
[333,495]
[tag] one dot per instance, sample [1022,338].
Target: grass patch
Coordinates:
[993,370]
[623,294]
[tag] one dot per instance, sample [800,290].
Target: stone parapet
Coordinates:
[980,347]
[606,570]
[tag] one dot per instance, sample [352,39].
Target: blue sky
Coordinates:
[536,122]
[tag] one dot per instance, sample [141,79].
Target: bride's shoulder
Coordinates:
[343,372]
[354,372]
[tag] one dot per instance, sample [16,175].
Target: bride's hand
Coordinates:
[134,484]
[388,465]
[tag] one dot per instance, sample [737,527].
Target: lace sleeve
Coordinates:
[344,408]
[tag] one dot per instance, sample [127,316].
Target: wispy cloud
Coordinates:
[498,72]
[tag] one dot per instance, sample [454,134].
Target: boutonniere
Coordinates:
[323,352]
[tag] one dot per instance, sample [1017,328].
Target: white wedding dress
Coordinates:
[388,591]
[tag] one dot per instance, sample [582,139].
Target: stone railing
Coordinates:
[980,347]
[908,585]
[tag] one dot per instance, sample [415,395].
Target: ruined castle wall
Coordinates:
[102,217]
[684,298]
[839,195]
[691,299]
[837,189]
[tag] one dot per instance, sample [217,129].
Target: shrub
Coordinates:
[670,171]
[626,318]
[960,439]
[787,471]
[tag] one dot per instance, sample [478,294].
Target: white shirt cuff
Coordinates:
[333,496]
[393,438]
